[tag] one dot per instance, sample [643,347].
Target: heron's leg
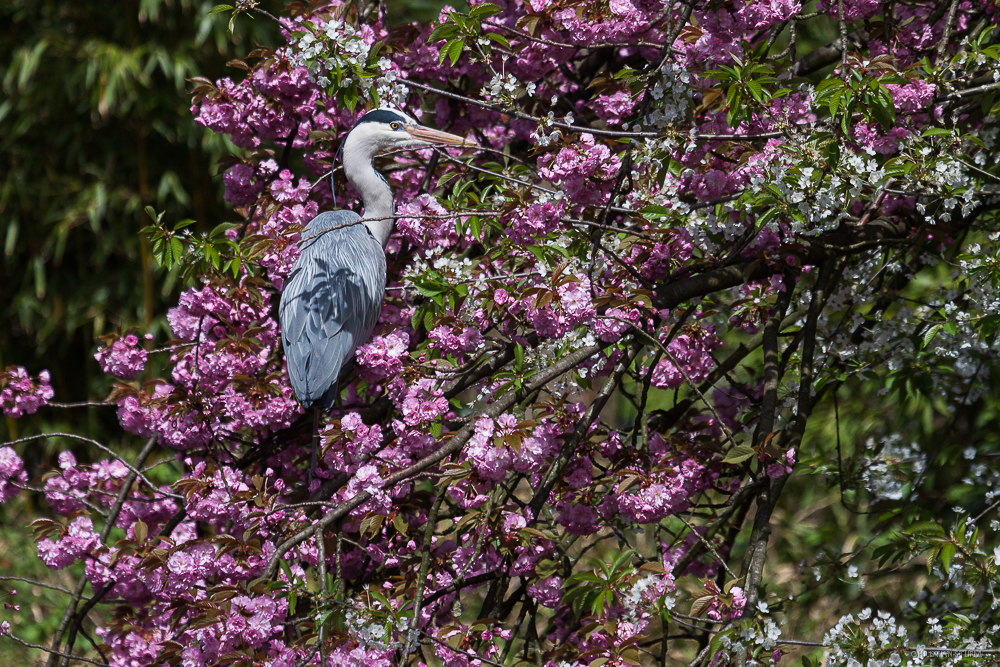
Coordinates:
[315,448]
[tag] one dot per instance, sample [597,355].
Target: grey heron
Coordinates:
[333,296]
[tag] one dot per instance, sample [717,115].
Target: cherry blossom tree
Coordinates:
[616,347]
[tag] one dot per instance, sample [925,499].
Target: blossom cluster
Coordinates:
[20,395]
[123,358]
[12,473]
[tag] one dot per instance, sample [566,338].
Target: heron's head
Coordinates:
[384,129]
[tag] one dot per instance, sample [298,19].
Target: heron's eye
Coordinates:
[394,125]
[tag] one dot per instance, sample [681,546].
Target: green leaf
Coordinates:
[738,454]
[518,357]
[836,100]
[476,225]
[655,211]
[733,113]
[429,292]
[716,74]
[349,97]
[538,252]
[929,335]
[767,216]
[443,31]
[845,119]
[446,49]
[455,49]
[932,556]
[733,97]
[176,248]
[374,51]
[218,9]
[446,178]
[828,84]
[924,528]
[484,10]
[499,39]
[222,228]
[947,553]
[732,72]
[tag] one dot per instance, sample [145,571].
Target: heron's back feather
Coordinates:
[330,303]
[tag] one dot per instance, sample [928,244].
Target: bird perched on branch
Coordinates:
[333,297]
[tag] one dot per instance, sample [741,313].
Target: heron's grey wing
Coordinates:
[330,304]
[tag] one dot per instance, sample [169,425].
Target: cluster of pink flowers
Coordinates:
[782,467]
[656,261]
[912,97]
[382,357]
[761,15]
[449,342]
[426,232]
[615,107]
[725,606]
[242,185]
[123,357]
[12,473]
[564,308]
[853,9]
[491,460]
[587,171]
[76,542]
[231,340]
[692,359]
[421,402]
[352,444]
[19,395]
[285,190]
[877,139]
[666,492]
[534,221]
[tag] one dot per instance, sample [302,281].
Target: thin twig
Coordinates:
[104,448]
[82,404]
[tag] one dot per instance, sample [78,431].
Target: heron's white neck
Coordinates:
[375,192]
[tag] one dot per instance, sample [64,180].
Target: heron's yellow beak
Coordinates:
[438,137]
